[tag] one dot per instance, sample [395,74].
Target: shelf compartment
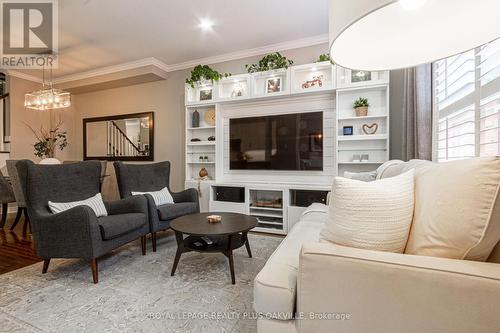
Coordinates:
[303,73]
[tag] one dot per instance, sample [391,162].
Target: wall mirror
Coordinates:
[128,137]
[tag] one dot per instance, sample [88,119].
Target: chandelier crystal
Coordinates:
[47,98]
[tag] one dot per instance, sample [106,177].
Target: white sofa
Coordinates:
[354,290]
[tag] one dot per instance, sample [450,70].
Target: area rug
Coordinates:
[136,293]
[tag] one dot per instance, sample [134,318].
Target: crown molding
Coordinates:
[24,76]
[112,69]
[151,61]
[290,45]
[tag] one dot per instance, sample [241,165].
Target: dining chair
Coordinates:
[6,197]
[18,195]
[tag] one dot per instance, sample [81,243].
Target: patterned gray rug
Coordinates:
[136,293]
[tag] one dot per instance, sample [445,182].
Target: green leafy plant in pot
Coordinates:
[361,107]
[48,141]
[204,73]
[270,62]
[325,57]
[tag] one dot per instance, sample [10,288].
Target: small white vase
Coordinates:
[50,161]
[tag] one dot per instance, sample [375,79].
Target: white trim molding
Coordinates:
[290,45]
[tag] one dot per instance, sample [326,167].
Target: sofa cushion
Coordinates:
[275,285]
[171,211]
[454,204]
[371,215]
[113,226]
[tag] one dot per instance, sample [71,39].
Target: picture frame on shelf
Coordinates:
[348,130]
[206,94]
[360,76]
[273,85]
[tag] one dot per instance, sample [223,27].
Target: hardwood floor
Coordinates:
[16,249]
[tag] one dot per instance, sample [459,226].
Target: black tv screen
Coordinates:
[282,142]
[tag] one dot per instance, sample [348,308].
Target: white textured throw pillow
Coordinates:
[160,197]
[374,216]
[94,202]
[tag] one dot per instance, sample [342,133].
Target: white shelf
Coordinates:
[364,117]
[367,162]
[200,162]
[202,143]
[362,137]
[267,208]
[270,223]
[266,215]
[200,128]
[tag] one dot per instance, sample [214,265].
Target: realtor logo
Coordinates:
[29,33]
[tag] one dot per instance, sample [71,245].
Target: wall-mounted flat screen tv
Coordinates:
[292,142]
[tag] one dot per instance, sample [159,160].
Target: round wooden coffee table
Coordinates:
[203,236]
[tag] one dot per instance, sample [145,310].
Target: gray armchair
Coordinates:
[154,177]
[77,232]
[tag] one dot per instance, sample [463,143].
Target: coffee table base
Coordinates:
[224,245]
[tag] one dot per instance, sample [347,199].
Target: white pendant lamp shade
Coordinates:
[386,34]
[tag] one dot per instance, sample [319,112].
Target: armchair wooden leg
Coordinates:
[18,218]
[143,245]
[93,264]
[26,221]
[46,263]
[153,239]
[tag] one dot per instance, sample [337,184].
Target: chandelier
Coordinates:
[47,98]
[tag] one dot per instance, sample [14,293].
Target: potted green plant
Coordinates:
[270,62]
[325,57]
[203,73]
[48,142]
[361,107]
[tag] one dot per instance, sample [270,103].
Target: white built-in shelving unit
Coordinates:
[341,86]
[351,148]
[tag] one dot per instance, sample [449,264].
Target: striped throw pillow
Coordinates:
[94,202]
[160,197]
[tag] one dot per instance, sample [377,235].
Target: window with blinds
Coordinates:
[467,104]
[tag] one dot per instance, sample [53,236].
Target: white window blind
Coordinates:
[467,104]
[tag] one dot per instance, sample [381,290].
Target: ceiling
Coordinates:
[100,33]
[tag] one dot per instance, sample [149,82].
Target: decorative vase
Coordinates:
[361,111]
[203,173]
[50,161]
[196,119]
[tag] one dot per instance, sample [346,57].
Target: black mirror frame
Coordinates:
[150,157]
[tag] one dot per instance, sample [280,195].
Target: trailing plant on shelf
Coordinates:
[325,57]
[270,62]
[361,106]
[204,72]
[48,141]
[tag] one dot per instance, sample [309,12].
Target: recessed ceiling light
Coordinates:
[206,24]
